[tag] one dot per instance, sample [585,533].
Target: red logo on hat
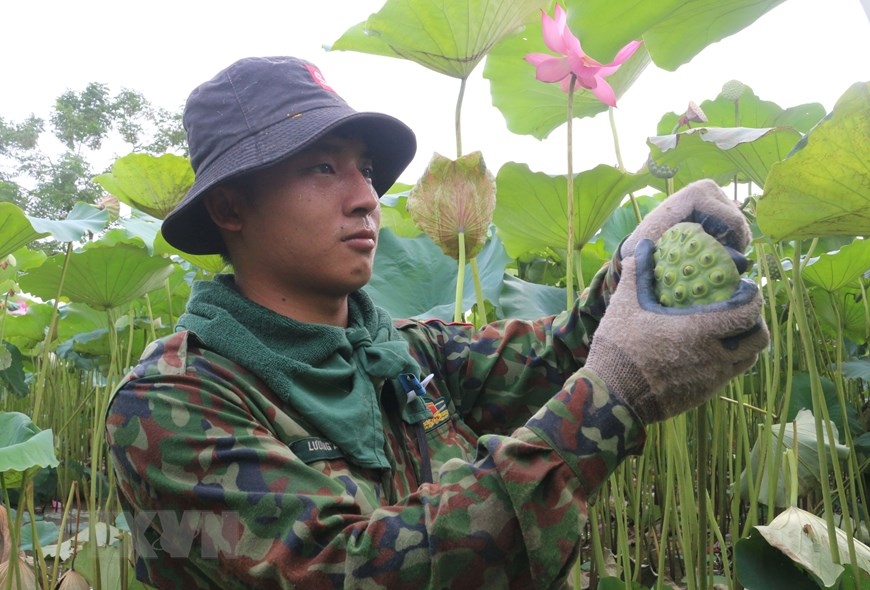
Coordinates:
[318,77]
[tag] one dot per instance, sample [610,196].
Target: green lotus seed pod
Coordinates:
[732,90]
[692,267]
[660,170]
[706,259]
[773,267]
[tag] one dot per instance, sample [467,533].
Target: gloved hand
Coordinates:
[663,361]
[700,202]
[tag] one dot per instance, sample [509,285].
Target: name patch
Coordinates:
[315,449]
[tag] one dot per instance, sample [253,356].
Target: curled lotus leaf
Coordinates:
[454,198]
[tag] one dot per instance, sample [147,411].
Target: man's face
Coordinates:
[310,225]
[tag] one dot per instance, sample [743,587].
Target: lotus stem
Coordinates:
[3,318]
[39,556]
[46,352]
[569,262]
[458,117]
[478,292]
[619,164]
[819,409]
[701,468]
[595,530]
[73,492]
[460,279]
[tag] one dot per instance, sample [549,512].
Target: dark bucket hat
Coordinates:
[257,112]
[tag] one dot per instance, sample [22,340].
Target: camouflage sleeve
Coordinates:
[221,502]
[499,375]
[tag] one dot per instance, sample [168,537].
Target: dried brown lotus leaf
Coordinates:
[24,574]
[72,580]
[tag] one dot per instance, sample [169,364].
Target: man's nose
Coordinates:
[362,196]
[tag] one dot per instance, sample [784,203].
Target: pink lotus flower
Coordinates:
[17,308]
[589,73]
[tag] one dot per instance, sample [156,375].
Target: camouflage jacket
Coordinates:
[224,486]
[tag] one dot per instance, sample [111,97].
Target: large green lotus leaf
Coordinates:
[747,151]
[27,330]
[12,375]
[623,220]
[211,263]
[591,258]
[719,170]
[532,107]
[394,212]
[531,211]
[103,278]
[529,301]
[25,259]
[823,189]
[16,230]
[143,226]
[98,344]
[113,237]
[448,36]
[77,318]
[168,303]
[153,184]
[750,111]
[24,448]
[803,537]
[802,397]
[147,228]
[808,468]
[834,270]
[840,314]
[758,565]
[414,278]
[83,219]
[858,368]
[395,216]
[106,555]
[674,31]
[722,112]
[47,532]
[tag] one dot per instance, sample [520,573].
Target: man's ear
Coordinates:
[223,204]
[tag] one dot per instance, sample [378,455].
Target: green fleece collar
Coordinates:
[326,373]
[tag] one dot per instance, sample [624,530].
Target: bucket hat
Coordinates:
[257,112]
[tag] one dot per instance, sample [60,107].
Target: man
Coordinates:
[289,435]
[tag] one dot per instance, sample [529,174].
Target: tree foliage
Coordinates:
[47,168]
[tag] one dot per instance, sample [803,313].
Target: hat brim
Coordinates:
[391,145]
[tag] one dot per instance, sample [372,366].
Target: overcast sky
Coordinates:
[801,51]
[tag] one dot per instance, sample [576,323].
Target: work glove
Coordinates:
[701,202]
[663,361]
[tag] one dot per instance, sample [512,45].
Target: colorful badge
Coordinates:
[438,409]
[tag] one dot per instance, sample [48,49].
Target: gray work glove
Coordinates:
[701,202]
[663,361]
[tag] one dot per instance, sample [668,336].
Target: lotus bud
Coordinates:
[454,197]
[111,204]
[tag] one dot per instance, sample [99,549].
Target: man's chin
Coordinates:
[357,281]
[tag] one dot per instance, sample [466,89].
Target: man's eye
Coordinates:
[368,172]
[324,168]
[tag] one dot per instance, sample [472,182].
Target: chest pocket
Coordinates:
[433,425]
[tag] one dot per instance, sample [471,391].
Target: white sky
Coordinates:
[801,51]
